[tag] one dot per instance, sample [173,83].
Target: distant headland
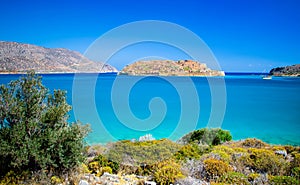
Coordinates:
[169,68]
[20,58]
[293,70]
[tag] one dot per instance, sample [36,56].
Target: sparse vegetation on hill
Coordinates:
[20,58]
[170,68]
[293,70]
[39,146]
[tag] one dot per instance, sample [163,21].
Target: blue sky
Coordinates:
[244,35]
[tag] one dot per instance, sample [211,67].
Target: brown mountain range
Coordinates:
[19,58]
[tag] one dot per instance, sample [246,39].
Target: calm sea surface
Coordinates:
[123,107]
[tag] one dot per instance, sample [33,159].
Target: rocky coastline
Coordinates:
[169,68]
[292,71]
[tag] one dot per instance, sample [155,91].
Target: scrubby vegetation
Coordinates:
[207,136]
[39,146]
[139,153]
[35,137]
[250,161]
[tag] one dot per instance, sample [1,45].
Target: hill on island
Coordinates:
[293,70]
[19,58]
[169,68]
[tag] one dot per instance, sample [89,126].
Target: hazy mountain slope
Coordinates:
[17,57]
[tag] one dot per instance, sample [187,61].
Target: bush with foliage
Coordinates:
[234,178]
[296,160]
[287,180]
[166,172]
[253,176]
[224,152]
[296,173]
[215,168]
[101,162]
[34,132]
[205,136]
[265,161]
[142,153]
[191,151]
[253,143]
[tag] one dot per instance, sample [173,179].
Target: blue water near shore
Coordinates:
[265,109]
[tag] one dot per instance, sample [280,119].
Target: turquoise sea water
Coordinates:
[264,109]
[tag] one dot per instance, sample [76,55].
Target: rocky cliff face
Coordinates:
[170,68]
[293,70]
[19,58]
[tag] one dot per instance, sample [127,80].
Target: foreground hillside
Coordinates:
[19,58]
[202,157]
[170,68]
[293,70]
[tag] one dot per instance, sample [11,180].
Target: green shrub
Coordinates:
[287,180]
[103,170]
[234,178]
[189,151]
[253,176]
[56,180]
[209,136]
[265,161]
[296,172]
[103,162]
[34,132]
[291,149]
[14,179]
[215,168]
[296,160]
[96,168]
[166,172]
[142,153]
[253,143]
[224,152]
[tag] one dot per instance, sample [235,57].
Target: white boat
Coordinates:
[268,77]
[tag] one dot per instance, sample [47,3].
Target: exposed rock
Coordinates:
[293,70]
[190,181]
[281,152]
[83,182]
[169,68]
[114,179]
[19,58]
[147,137]
[150,183]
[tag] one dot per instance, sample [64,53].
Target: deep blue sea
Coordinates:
[124,107]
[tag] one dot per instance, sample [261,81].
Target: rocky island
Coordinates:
[19,58]
[169,68]
[293,70]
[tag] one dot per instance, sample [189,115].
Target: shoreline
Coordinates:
[59,73]
[117,74]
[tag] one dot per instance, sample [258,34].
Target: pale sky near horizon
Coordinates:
[244,35]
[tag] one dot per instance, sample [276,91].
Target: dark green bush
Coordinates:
[104,162]
[209,136]
[234,178]
[287,180]
[34,132]
[296,172]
